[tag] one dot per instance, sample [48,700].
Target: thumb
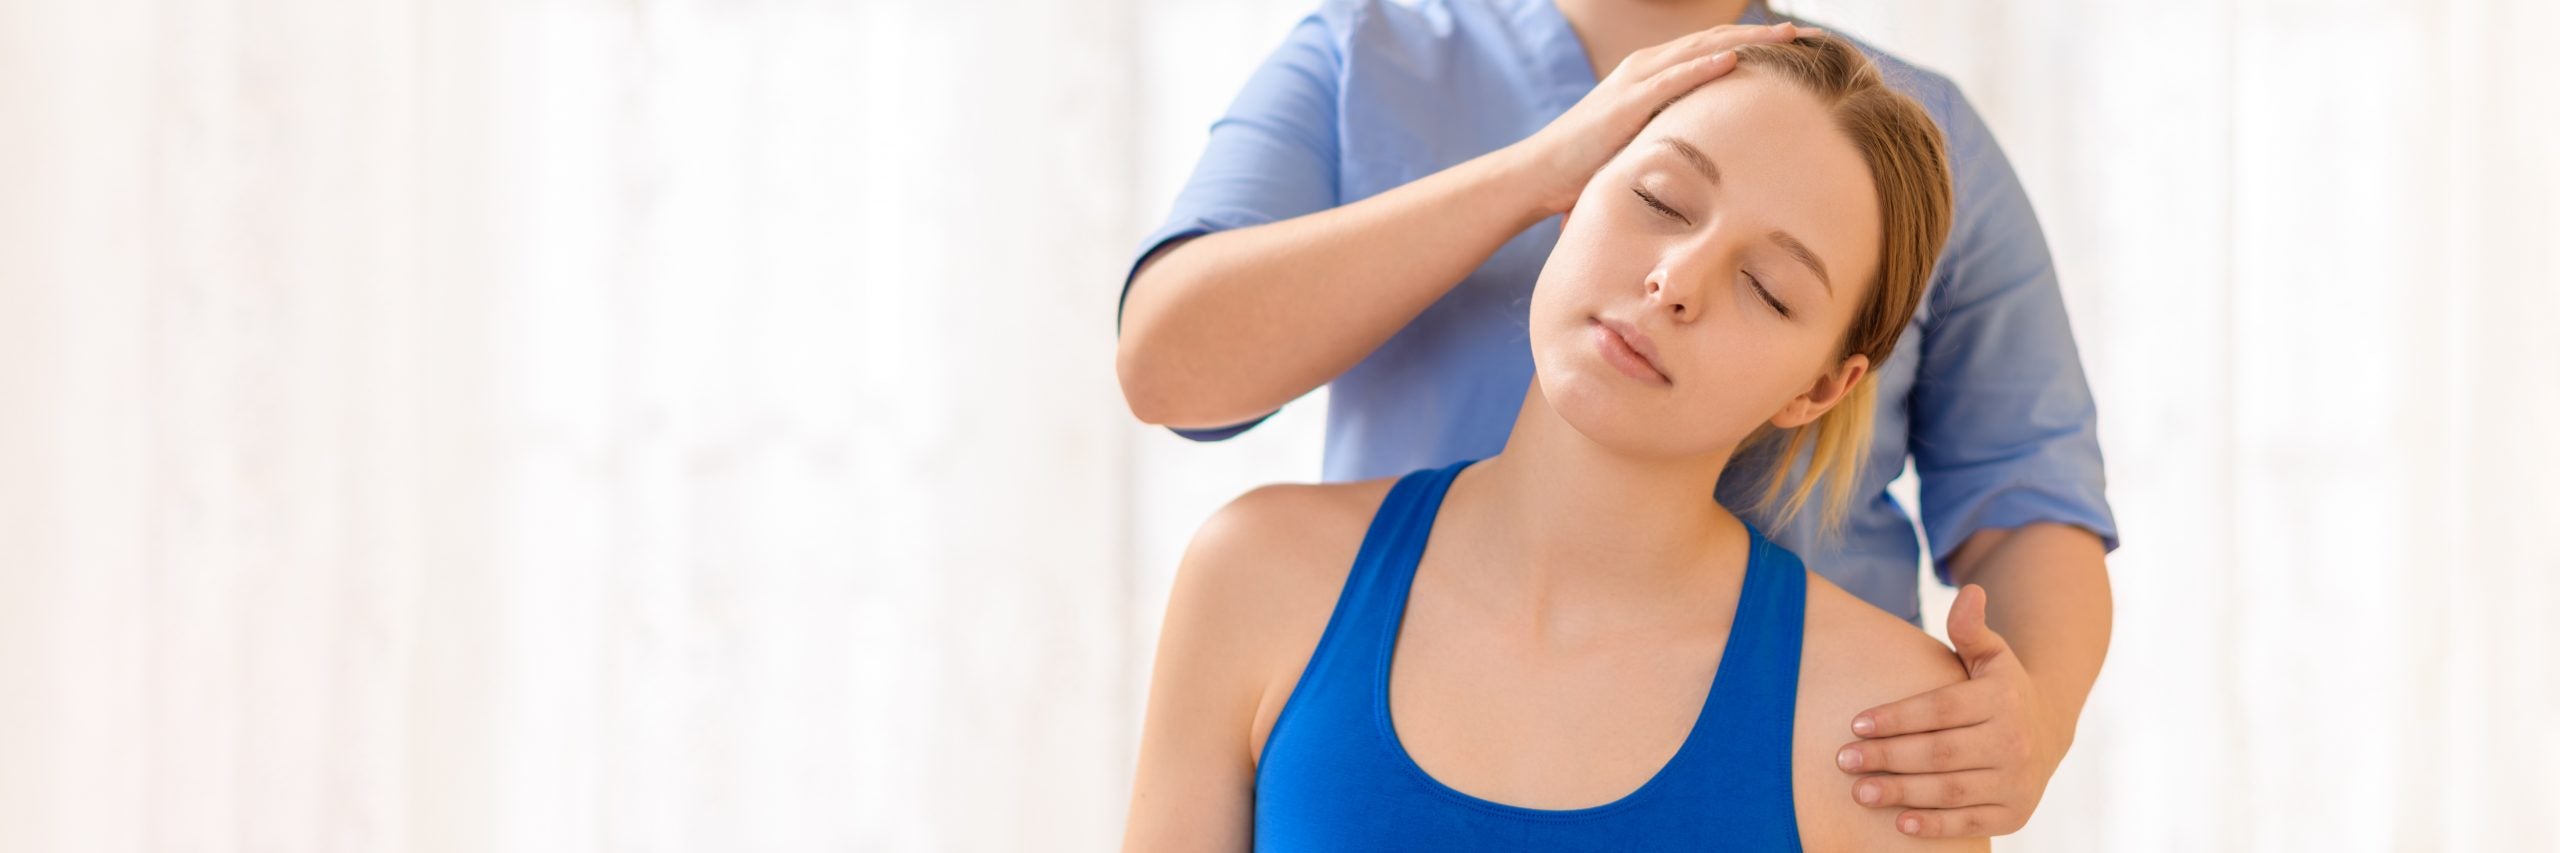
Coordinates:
[1969,628]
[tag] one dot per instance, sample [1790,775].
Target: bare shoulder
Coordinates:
[1279,514]
[1279,544]
[1255,586]
[1261,578]
[1854,652]
[1856,657]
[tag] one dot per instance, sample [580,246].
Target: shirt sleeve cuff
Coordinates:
[1221,433]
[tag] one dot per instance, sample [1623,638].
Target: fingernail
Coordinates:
[1863,725]
[1851,760]
[1869,793]
[1910,826]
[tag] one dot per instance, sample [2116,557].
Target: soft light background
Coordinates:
[563,425]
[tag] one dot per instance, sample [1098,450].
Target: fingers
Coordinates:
[1651,61]
[1968,822]
[1687,76]
[1952,706]
[1968,748]
[1931,790]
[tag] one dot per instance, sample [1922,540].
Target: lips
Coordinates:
[1628,348]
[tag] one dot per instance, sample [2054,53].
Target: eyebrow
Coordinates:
[1697,158]
[1803,253]
[1786,241]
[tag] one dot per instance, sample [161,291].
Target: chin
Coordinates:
[1602,405]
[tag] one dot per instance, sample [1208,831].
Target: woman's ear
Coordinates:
[1828,390]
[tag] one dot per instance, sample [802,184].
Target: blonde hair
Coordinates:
[1906,156]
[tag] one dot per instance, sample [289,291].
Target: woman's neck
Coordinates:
[1565,521]
[1611,29]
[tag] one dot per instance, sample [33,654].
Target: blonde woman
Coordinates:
[1571,644]
[1369,215]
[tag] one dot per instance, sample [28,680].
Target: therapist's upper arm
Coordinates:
[1275,154]
[2004,430]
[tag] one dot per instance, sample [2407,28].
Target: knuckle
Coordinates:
[1953,792]
[1942,750]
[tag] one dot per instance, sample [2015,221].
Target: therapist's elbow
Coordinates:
[1173,373]
[1143,384]
[1151,380]
[1163,388]
[1139,358]
[1154,379]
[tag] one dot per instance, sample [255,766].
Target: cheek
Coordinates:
[1744,378]
[1571,281]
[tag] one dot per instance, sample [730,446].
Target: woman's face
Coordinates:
[1704,279]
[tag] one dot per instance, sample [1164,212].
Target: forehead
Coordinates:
[1783,162]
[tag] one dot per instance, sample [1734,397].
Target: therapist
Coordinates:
[1371,213]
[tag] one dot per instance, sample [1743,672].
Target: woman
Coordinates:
[1572,644]
[1373,208]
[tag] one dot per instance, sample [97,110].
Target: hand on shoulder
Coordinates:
[1857,657]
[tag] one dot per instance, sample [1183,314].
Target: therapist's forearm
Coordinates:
[2050,599]
[1226,327]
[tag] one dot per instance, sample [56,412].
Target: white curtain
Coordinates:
[685,425]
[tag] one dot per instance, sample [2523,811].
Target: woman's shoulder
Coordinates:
[1285,522]
[1856,657]
[1856,647]
[1274,558]
[1254,591]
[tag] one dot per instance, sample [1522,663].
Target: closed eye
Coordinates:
[1657,205]
[1774,304]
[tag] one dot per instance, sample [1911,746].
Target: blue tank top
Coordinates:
[1334,777]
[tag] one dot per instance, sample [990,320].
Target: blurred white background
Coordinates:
[565,425]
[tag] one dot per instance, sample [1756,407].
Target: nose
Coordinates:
[1676,284]
[1658,289]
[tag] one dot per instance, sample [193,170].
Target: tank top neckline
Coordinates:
[1741,647]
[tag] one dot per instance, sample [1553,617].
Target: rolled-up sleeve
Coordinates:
[1274,155]
[2004,431]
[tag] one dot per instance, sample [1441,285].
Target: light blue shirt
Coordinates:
[1984,395]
